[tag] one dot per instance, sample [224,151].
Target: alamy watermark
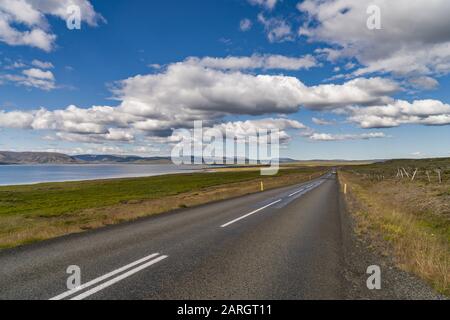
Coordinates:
[214,146]
[374,19]
[74,280]
[374,281]
[73,20]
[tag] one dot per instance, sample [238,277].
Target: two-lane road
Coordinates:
[278,244]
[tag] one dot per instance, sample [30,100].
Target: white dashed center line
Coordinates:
[249,214]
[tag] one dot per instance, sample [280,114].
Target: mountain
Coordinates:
[7,157]
[92,158]
[106,158]
[287,160]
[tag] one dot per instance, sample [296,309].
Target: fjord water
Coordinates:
[31,174]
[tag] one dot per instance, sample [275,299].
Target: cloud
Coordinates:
[15,65]
[93,125]
[424,83]
[417,154]
[42,64]
[15,119]
[241,131]
[322,122]
[360,91]
[24,22]
[277,29]
[59,9]
[247,129]
[32,75]
[34,38]
[95,120]
[267,4]
[113,134]
[414,39]
[33,78]
[155,104]
[424,112]
[343,137]
[265,62]
[245,25]
[38,74]
[185,92]
[155,66]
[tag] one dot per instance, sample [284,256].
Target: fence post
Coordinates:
[414,175]
[406,172]
[439,175]
[428,175]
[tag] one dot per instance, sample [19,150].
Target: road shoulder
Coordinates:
[360,252]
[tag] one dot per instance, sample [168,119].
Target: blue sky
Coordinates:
[137,70]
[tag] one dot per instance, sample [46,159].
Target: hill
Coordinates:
[91,158]
[7,157]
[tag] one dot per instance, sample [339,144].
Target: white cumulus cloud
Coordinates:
[343,137]
[424,112]
[24,22]
[33,78]
[413,39]
[277,29]
[156,104]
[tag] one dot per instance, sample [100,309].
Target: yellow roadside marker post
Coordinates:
[345,188]
[262,186]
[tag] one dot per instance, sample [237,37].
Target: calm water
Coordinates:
[30,174]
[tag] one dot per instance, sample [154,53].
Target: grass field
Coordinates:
[324,163]
[37,212]
[408,219]
[296,164]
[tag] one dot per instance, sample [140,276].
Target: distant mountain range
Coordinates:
[92,158]
[7,157]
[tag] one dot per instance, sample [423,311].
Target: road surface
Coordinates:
[278,244]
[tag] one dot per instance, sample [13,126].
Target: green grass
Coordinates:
[38,212]
[55,199]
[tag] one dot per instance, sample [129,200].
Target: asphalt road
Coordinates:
[279,244]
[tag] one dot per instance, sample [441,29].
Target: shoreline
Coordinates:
[181,170]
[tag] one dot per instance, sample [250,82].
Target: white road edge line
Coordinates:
[104,277]
[249,214]
[117,279]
